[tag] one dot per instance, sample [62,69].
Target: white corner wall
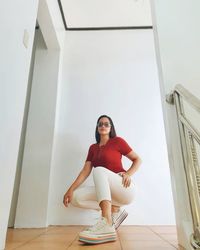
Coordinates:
[114,73]
[34,184]
[14,71]
[15,62]
[176,25]
[32,207]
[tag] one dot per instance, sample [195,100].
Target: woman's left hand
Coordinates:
[126,179]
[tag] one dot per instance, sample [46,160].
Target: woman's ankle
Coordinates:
[115,209]
[109,221]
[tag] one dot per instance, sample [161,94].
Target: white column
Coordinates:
[176,25]
[14,70]
[34,185]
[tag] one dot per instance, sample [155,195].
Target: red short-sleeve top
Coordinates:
[109,155]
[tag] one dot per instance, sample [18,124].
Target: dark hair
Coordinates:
[112,133]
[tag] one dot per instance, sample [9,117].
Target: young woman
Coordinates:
[113,187]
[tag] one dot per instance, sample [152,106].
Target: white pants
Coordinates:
[108,186]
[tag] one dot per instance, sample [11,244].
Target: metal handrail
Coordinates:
[189,97]
[188,133]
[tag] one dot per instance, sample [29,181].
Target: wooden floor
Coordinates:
[66,237]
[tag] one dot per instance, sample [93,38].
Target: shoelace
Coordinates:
[89,228]
[115,215]
[100,224]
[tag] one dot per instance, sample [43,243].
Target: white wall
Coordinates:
[112,73]
[56,21]
[51,24]
[177,42]
[13,208]
[34,185]
[14,69]
[107,13]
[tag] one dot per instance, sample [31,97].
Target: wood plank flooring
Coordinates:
[66,238]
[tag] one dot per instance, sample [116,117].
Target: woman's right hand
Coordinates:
[67,197]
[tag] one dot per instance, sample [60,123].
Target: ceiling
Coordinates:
[103,14]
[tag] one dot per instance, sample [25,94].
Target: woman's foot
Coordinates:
[119,217]
[99,233]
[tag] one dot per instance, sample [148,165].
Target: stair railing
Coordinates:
[189,138]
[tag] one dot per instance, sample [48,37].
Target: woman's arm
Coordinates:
[85,172]
[136,161]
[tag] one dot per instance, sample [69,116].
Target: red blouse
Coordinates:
[109,155]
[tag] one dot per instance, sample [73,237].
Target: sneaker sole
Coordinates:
[87,234]
[97,240]
[120,219]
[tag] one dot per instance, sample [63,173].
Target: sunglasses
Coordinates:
[105,124]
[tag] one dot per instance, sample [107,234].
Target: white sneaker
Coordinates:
[119,217]
[99,233]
